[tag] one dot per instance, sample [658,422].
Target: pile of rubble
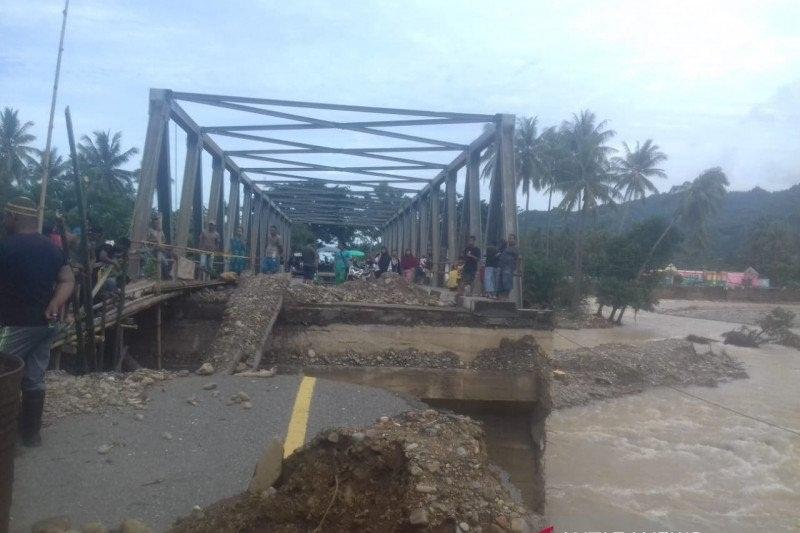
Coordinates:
[421,470]
[251,306]
[92,393]
[611,370]
[390,288]
[520,355]
[403,358]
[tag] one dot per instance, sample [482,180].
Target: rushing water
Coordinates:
[661,461]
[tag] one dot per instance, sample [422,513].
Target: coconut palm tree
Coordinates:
[700,200]
[584,177]
[527,144]
[634,171]
[101,158]
[528,156]
[58,165]
[15,150]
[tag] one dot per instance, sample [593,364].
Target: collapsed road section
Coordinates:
[486,362]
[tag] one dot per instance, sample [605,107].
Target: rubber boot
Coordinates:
[30,418]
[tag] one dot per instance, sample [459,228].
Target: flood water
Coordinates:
[661,461]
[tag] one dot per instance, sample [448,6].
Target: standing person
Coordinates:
[409,265]
[35,283]
[384,262]
[490,272]
[508,264]
[472,255]
[238,248]
[310,261]
[273,252]
[156,249]
[341,262]
[395,263]
[208,242]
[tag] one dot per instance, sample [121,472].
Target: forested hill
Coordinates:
[728,232]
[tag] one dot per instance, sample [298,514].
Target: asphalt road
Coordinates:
[211,454]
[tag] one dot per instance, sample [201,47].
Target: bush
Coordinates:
[545,282]
[744,336]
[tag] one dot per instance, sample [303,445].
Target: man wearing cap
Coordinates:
[35,283]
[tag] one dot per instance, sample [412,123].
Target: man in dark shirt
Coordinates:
[472,255]
[35,283]
[310,261]
[508,264]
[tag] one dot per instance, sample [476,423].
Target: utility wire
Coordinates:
[689,394]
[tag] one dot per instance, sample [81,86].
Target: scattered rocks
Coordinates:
[206,369]
[210,386]
[99,392]
[166,435]
[240,397]
[263,373]
[268,468]
[418,517]
[138,416]
[103,449]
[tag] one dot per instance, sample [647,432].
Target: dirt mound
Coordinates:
[421,470]
[611,370]
[523,354]
[250,307]
[388,289]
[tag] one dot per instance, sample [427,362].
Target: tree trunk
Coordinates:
[613,312]
[655,246]
[549,223]
[528,201]
[576,297]
[619,316]
[599,312]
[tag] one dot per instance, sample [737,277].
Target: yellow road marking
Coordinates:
[298,423]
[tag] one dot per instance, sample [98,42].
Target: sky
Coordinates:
[712,83]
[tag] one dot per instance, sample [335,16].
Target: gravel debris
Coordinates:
[367,484]
[99,392]
[611,370]
[390,288]
[250,307]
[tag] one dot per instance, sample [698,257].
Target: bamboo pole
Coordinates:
[47,146]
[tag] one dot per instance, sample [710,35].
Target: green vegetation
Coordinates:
[110,190]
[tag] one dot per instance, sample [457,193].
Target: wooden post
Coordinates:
[505,163]
[193,150]
[450,194]
[157,130]
[436,233]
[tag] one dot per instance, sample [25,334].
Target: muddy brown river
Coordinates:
[664,461]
